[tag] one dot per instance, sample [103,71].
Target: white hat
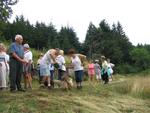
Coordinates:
[26,46]
[96,60]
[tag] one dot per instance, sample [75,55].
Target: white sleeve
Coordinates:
[63,60]
[30,56]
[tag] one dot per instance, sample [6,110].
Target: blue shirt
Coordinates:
[18,49]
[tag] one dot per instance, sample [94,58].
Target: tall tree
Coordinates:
[5,9]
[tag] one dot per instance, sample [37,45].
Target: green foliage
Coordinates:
[41,36]
[141,58]
[68,39]
[126,69]
[5,9]
[111,42]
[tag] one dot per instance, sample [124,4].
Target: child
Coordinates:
[38,67]
[97,70]
[60,59]
[3,67]
[27,68]
[91,71]
[52,69]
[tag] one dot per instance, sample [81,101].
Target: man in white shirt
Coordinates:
[27,67]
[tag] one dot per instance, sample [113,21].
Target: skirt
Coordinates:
[44,70]
[3,75]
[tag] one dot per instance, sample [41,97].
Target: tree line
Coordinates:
[107,40]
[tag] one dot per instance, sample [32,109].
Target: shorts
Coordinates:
[44,70]
[27,68]
[79,75]
[91,72]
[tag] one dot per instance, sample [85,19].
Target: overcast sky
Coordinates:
[134,15]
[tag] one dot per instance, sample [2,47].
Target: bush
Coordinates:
[126,69]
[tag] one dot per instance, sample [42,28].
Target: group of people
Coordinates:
[103,72]
[54,59]
[20,62]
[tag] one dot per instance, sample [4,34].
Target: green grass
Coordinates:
[120,96]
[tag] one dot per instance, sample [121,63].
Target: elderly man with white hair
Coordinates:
[16,64]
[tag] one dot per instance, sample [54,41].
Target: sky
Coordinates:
[132,14]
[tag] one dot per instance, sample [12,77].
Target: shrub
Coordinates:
[126,69]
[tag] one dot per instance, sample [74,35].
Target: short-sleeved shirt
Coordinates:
[28,56]
[77,63]
[18,49]
[61,61]
[46,59]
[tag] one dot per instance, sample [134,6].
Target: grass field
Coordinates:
[123,95]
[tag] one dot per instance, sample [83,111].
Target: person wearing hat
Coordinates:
[16,64]
[97,70]
[27,68]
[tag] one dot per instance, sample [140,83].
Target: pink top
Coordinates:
[91,69]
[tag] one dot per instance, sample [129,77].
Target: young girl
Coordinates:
[97,70]
[91,71]
[27,68]
[3,67]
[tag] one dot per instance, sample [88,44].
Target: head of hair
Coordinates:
[71,51]
[61,52]
[18,37]
[57,51]
[2,46]
[103,58]
[26,46]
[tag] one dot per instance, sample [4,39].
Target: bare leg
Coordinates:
[30,80]
[25,81]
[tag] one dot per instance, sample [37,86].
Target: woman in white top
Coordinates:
[27,68]
[77,65]
[3,67]
[46,60]
[61,62]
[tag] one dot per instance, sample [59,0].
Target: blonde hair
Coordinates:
[61,52]
[2,46]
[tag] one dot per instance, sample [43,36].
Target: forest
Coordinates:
[108,40]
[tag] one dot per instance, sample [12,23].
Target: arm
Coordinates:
[18,58]
[82,56]
[53,57]
[14,55]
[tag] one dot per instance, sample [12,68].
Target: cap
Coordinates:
[26,46]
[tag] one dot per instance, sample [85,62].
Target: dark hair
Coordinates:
[71,51]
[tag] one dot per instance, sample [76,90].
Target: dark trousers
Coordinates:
[16,69]
[60,74]
[105,78]
[79,76]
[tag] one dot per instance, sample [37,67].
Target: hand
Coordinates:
[24,61]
